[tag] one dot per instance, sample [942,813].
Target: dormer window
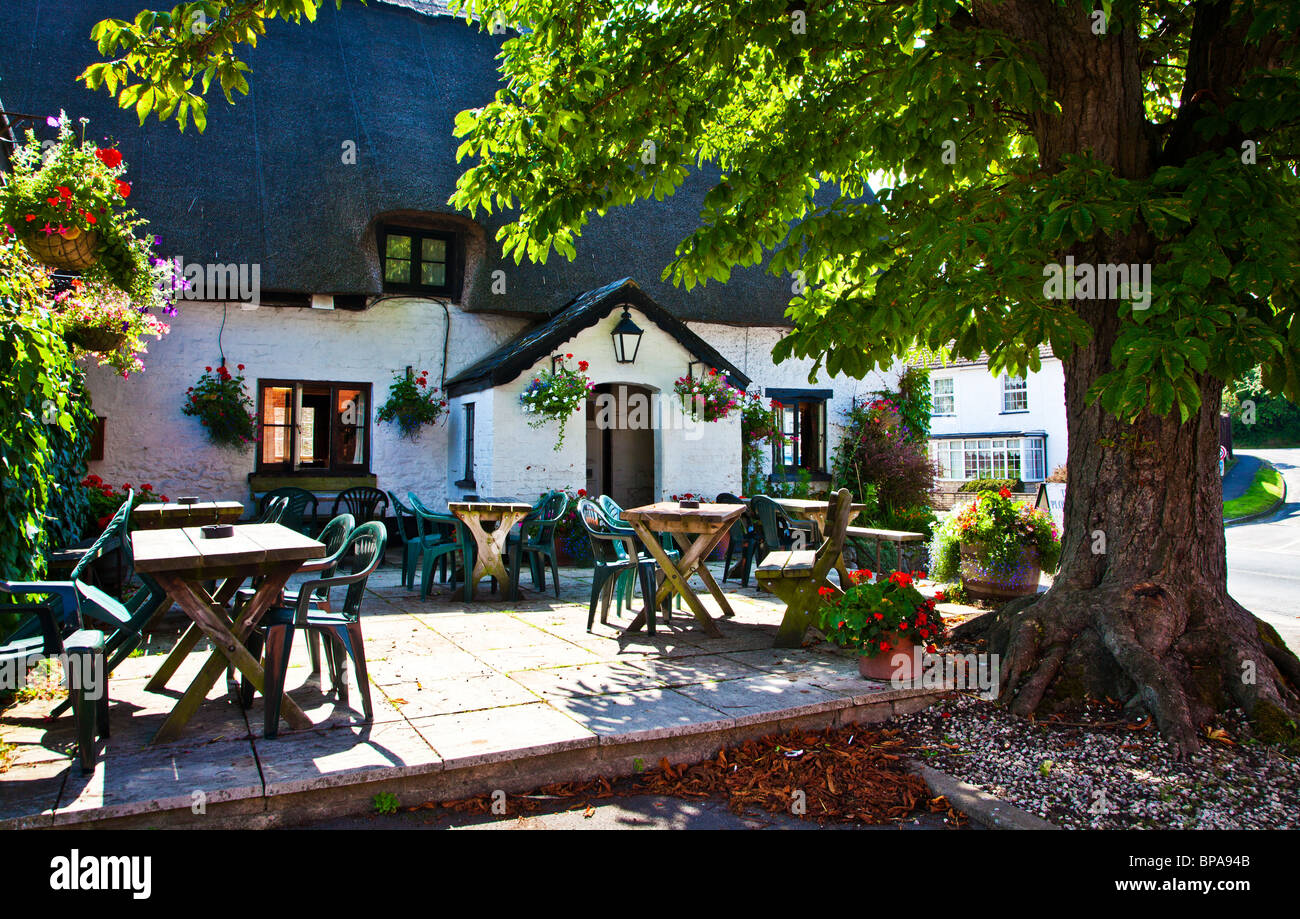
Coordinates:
[418,261]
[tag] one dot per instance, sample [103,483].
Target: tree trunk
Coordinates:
[1139,610]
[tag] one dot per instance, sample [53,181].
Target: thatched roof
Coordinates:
[582,312]
[267,182]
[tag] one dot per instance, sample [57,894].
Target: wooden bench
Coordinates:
[861,535]
[797,576]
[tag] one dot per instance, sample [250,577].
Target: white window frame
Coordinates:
[961,459]
[935,396]
[1015,386]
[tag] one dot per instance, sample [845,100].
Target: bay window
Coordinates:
[996,457]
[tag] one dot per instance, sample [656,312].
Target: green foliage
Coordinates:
[913,400]
[707,398]
[78,188]
[878,453]
[385,803]
[1265,490]
[957,107]
[555,395]
[991,485]
[869,615]
[758,432]
[45,423]
[784,487]
[1270,421]
[163,57]
[100,308]
[412,404]
[223,407]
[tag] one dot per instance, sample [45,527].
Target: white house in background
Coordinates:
[984,425]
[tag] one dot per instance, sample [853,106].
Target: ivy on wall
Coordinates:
[46,423]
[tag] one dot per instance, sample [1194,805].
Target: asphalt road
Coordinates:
[1264,555]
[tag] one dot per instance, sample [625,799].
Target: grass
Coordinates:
[1266,488]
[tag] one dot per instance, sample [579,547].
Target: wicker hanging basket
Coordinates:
[94,338]
[73,251]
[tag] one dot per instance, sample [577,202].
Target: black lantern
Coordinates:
[627,339]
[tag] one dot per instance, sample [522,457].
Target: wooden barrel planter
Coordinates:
[94,337]
[985,581]
[75,250]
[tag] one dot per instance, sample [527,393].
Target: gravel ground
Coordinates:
[1098,769]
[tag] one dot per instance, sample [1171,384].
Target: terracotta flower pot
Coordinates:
[985,581]
[94,337]
[898,663]
[73,251]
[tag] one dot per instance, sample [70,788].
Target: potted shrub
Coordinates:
[412,404]
[998,548]
[709,398]
[885,621]
[68,207]
[554,395]
[223,407]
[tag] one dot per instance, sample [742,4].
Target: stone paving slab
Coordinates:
[492,735]
[645,714]
[303,760]
[456,687]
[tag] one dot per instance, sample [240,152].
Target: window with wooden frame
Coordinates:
[319,428]
[419,261]
[801,419]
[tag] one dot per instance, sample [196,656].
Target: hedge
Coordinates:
[992,485]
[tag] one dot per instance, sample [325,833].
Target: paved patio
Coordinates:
[468,698]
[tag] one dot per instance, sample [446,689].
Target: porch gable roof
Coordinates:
[582,312]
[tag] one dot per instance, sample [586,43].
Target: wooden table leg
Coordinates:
[677,576]
[189,639]
[702,569]
[229,647]
[491,550]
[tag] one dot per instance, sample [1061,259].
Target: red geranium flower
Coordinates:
[1004,492]
[110,157]
[879,615]
[930,649]
[884,646]
[901,578]
[123,188]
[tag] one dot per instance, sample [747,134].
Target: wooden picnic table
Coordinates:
[491,560]
[697,531]
[181,560]
[172,515]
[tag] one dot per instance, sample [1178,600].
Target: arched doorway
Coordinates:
[621,421]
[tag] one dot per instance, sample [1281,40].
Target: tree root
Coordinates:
[1180,653]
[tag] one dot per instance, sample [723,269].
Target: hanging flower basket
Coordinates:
[74,250]
[95,338]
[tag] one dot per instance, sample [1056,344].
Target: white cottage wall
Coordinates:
[697,457]
[147,439]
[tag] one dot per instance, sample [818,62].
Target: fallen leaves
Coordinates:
[836,775]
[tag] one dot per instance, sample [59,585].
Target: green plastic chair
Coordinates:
[274,510]
[442,536]
[743,537]
[341,630]
[334,535]
[122,622]
[613,553]
[627,582]
[295,515]
[537,541]
[411,542]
